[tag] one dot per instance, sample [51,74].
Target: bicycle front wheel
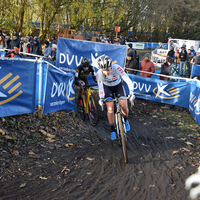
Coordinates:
[93,111]
[80,110]
[122,138]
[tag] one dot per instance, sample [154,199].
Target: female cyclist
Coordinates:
[109,82]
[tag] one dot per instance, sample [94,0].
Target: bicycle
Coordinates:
[120,124]
[88,105]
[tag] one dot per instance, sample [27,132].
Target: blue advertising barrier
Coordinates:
[194,102]
[70,53]
[17,87]
[60,92]
[195,70]
[174,93]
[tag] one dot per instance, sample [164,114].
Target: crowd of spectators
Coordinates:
[27,46]
[183,60]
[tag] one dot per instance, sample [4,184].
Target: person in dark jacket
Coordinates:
[190,56]
[183,58]
[131,63]
[36,48]
[7,39]
[166,68]
[130,49]
[171,53]
[14,43]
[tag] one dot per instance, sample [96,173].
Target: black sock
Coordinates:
[125,118]
[113,129]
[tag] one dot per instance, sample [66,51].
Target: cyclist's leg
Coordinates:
[110,111]
[81,84]
[123,104]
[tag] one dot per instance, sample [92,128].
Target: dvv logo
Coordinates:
[9,88]
[162,91]
[70,94]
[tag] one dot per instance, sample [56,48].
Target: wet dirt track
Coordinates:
[93,168]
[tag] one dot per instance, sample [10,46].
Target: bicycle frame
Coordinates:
[86,97]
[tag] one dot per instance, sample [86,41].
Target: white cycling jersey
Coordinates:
[113,79]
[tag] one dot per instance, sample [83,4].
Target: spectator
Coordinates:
[20,35]
[150,39]
[7,40]
[131,63]
[160,46]
[137,56]
[177,60]
[196,61]
[130,49]
[146,66]
[26,46]
[171,53]
[21,44]
[2,42]
[53,40]
[183,58]
[36,47]
[13,53]
[166,68]
[14,42]
[193,51]
[50,43]
[190,56]
[38,43]
[52,57]
[47,49]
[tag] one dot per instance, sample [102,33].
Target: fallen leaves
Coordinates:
[2,132]
[22,185]
[90,159]
[190,144]
[43,178]
[15,152]
[181,150]
[65,170]
[31,153]
[68,145]
[46,134]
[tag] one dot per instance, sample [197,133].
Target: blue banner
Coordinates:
[70,53]
[194,102]
[17,87]
[59,91]
[195,70]
[174,93]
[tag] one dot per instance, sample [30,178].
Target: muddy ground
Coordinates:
[82,163]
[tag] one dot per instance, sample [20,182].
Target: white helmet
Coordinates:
[104,62]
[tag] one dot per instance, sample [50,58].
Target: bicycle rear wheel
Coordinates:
[80,110]
[93,111]
[122,138]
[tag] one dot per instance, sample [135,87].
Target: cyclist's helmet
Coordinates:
[104,62]
[85,62]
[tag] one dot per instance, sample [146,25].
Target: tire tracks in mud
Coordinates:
[152,172]
[95,167]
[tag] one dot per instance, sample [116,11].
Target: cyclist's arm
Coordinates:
[125,77]
[99,77]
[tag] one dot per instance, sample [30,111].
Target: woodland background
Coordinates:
[142,18]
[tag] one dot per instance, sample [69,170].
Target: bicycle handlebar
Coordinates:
[117,99]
